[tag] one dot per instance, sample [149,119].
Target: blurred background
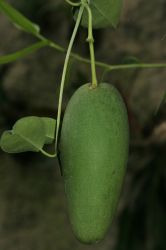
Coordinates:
[33,214]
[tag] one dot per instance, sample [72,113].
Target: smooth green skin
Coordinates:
[93,153]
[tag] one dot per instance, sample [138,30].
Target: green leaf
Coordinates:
[105,13]
[50,125]
[18,19]
[32,130]
[29,134]
[22,53]
[13,143]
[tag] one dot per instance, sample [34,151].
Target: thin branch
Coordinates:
[45,42]
[107,66]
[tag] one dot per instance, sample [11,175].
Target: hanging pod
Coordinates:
[93,152]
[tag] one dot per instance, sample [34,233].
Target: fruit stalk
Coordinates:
[90,40]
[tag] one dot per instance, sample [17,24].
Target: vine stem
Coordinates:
[47,154]
[107,66]
[65,71]
[132,66]
[90,40]
[72,3]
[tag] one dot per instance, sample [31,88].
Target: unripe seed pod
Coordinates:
[93,152]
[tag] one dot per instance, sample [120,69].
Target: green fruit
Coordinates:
[93,153]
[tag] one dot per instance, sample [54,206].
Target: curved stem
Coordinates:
[107,66]
[64,72]
[47,154]
[72,3]
[90,40]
